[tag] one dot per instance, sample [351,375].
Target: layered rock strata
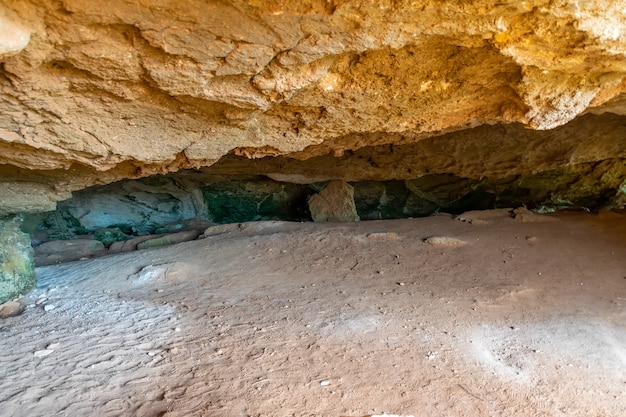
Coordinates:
[94,92]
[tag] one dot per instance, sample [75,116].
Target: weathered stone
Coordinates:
[188,224]
[91,97]
[130,244]
[335,203]
[445,241]
[256,228]
[11,309]
[522,214]
[170,239]
[136,207]
[484,217]
[58,251]
[17,269]
[591,185]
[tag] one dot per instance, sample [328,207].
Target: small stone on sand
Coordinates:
[444,241]
[11,309]
[42,353]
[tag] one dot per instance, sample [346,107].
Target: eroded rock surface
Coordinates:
[335,203]
[17,267]
[94,92]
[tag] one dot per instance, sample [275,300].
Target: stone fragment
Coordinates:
[221,229]
[109,235]
[130,244]
[11,309]
[484,217]
[524,215]
[335,203]
[170,239]
[58,251]
[42,353]
[49,307]
[445,241]
[17,269]
[383,236]
[179,226]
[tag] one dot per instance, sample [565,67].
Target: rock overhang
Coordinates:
[94,93]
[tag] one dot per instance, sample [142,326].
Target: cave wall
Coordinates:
[305,92]
[579,165]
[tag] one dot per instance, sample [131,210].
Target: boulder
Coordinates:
[11,309]
[17,268]
[59,251]
[335,203]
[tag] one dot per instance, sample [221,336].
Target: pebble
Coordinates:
[53,346]
[445,241]
[325,383]
[48,307]
[42,353]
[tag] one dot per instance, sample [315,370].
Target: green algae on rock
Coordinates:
[17,266]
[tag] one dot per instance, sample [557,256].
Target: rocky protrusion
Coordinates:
[59,251]
[170,239]
[335,203]
[17,266]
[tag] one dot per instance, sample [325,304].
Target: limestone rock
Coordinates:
[335,203]
[11,309]
[445,242]
[58,251]
[130,244]
[484,217]
[522,214]
[17,268]
[90,97]
[170,239]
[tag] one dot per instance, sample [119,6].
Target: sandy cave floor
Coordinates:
[289,319]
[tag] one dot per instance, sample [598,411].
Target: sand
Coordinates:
[491,316]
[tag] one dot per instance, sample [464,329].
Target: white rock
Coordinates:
[42,353]
[48,307]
